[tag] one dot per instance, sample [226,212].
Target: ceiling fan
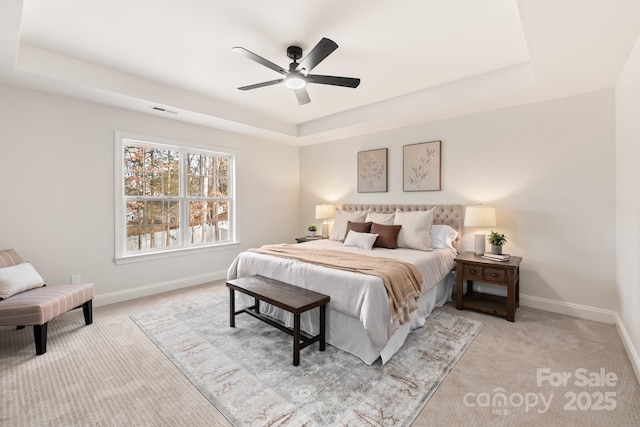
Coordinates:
[297,76]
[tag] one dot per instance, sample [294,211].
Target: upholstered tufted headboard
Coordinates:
[445,214]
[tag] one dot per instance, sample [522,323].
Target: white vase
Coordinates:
[312,233]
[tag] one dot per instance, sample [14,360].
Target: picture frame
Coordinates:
[421,165]
[373,171]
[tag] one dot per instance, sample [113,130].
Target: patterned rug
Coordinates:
[246,372]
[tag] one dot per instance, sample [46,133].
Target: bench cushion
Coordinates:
[38,306]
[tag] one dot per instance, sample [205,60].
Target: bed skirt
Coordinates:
[355,340]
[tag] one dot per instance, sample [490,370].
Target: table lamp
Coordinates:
[480,216]
[325,212]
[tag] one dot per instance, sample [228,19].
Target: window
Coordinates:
[171,197]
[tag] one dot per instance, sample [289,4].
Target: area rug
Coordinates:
[247,371]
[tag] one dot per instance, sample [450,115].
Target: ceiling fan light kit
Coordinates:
[298,76]
[294,82]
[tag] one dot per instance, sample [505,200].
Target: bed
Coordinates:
[359,315]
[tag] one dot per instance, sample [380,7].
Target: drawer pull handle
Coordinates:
[494,274]
[473,272]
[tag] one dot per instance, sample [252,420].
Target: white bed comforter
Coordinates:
[356,295]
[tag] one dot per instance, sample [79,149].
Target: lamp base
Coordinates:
[325,230]
[480,244]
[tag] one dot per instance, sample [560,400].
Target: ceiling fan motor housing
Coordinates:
[294,52]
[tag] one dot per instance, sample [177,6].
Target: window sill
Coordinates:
[172,253]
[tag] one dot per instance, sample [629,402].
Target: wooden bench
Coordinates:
[285,296]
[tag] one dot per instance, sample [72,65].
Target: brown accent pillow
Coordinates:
[360,227]
[387,235]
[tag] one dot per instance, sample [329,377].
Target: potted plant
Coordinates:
[312,229]
[497,240]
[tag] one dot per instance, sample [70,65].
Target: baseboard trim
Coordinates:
[632,353]
[156,288]
[570,309]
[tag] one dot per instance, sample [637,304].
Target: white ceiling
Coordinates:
[418,60]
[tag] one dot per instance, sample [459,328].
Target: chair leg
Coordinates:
[40,334]
[87,309]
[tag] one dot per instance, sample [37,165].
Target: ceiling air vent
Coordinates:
[164,110]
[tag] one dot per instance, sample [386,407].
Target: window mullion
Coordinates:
[184,203]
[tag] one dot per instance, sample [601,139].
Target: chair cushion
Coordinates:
[38,306]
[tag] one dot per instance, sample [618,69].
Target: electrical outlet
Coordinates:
[75,279]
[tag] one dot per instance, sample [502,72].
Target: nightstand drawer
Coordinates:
[472,272]
[495,274]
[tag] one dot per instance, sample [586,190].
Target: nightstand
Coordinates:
[470,267]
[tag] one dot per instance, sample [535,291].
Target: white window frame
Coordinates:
[126,138]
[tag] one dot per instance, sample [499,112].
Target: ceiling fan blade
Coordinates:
[317,55]
[333,80]
[303,96]
[263,84]
[260,60]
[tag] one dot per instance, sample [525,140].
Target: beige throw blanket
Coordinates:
[401,279]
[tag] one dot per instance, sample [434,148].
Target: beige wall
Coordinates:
[549,168]
[57,170]
[628,200]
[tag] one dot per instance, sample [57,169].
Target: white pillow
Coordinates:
[442,237]
[340,223]
[360,240]
[18,278]
[380,218]
[416,229]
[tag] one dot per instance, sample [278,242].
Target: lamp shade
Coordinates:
[480,216]
[324,211]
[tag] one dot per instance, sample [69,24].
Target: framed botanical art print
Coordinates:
[421,166]
[372,171]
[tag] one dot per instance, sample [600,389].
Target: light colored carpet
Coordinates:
[247,372]
[111,374]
